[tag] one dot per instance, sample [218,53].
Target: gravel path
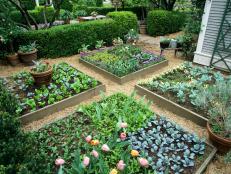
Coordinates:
[149,43]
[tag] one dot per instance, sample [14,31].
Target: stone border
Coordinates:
[126,78]
[172,106]
[58,106]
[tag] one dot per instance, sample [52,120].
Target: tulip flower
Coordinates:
[121,165]
[105,148]
[123,136]
[134,153]
[123,125]
[59,162]
[88,138]
[143,162]
[86,161]
[95,153]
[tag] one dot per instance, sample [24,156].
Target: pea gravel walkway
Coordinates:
[150,43]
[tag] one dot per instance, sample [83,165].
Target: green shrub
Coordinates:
[67,5]
[29,4]
[105,10]
[99,3]
[8,103]
[67,39]
[37,14]
[161,22]
[125,21]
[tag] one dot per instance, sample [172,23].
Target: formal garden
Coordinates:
[109,87]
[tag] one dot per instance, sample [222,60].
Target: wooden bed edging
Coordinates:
[126,78]
[58,106]
[172,106]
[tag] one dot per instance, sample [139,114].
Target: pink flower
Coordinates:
[88,138]
[95,153]
[121,165]
[143,162]
[123,125]
[86,161]
[105,148]
[123,136]
[59,162]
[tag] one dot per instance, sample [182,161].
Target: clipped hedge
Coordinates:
[161,22]
[105,10]
[37,14]
[67,39]
[125,21]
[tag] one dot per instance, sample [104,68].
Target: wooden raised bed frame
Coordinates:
[126,78]
[58,106]
[172,106]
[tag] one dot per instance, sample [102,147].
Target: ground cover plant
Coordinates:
[66,82]
[191,87]
[123,59]
[108,137]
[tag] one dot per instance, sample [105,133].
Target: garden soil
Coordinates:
[149,43]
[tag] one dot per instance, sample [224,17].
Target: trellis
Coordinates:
[222,48]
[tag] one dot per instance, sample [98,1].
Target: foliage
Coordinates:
[84,48]
[66,82]
[28,4]
[66,15]
[80,13]
[227,158]
[125,21]
[123,59]
[117,41]
[67,5]
[132,35]
[27,48]
[99,3]
[37,14]
[40,66]
[99,44]
[161,22]
[199,89]
[8,103]
[51,40]
[174,147]
[118,107]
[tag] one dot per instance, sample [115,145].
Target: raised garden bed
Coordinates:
[62,138]
[124,62]
[177,90]
[67,88]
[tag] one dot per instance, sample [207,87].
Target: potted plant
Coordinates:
[216,100]
[94,14]
[117,41]
[84,49]
[132,37]
[80,13]
[164,42]
[99,44]
[42,73]
[6,41]
[66,17]
[28,53]
[143,27]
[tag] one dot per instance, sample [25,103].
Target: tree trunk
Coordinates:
[58,6]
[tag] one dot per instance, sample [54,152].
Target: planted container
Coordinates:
[42,73]
[28,53]
[13,59]
[223,144]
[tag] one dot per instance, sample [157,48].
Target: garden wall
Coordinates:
[161,22]
[67,39]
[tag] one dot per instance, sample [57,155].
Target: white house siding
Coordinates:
[214,10]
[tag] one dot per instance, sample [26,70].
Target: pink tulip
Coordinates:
[123,125]
[88,138]
[121,165]
[95,153]
[105,148]
[86,161]
[143,162]
[59,162]
[123,136]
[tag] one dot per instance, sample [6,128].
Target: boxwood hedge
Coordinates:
[67,39]
[161,22]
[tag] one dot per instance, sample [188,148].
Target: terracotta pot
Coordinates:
[67,21]
[28,57]
[43,78]
[223,144]
[143,29]
[13,59]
